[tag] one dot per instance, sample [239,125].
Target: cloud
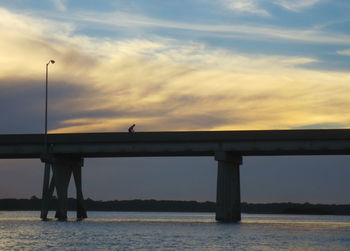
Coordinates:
[121,20]
[258,7]
[160,84]
[60,4]
[345,52]
[297,5]
[118,21]
[245,7]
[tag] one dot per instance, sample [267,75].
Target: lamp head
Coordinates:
[52,61]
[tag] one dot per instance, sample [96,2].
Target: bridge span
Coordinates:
[66,152]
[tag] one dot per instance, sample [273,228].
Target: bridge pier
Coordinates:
[46,195]
[228,195]
[63,167]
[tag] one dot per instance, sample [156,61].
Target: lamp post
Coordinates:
[45,158]
[47,76]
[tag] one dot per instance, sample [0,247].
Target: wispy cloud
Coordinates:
[114,21]
[60,4]
[258,7]
[256,32]
[297,5]
[245,6]
[345,52]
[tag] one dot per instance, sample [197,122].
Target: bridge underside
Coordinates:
[228,197]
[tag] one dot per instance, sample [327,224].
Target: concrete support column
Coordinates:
[62,172]
[228,195]
[81,211]
[45,199]
[63,167]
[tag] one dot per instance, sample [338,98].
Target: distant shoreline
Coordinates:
[34,204]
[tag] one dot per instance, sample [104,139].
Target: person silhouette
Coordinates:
[131,129]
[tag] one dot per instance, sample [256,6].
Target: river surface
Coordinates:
[173,231]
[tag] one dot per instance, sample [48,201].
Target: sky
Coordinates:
[175,66]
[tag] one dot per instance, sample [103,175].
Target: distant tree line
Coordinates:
[295,208]
[34,204]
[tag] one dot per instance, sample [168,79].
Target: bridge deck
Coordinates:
[187,143]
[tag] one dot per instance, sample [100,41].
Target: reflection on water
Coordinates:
[173,231]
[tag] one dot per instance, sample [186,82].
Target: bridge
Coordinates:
[66,153]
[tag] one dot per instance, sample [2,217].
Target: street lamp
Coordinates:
[45,158]
[47,74]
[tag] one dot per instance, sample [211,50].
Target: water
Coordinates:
[173,231]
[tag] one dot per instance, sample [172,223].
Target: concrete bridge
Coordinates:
[66,153]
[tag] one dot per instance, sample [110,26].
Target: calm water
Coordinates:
[173,231]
